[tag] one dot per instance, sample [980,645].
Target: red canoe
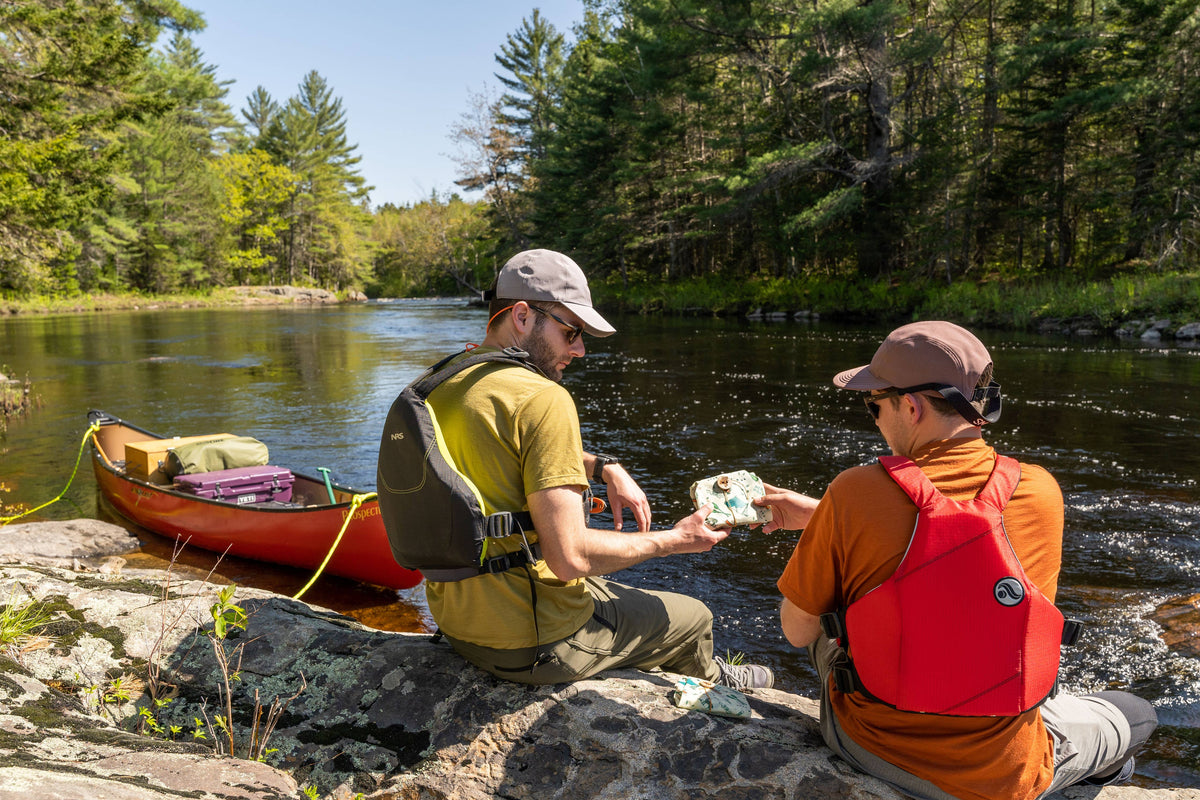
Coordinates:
[298,533]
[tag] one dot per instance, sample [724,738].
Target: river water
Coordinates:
[1117,423]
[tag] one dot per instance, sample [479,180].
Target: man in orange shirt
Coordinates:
[931,391]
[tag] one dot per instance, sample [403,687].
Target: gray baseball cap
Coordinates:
[551,277]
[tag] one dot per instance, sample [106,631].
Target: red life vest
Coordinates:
[959,628]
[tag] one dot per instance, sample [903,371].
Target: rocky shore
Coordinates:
[120,694]
[1151,331]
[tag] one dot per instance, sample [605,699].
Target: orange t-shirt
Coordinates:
[855,541]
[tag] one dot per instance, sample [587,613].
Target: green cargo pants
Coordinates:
[630,627]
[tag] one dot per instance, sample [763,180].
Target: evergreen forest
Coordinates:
[839,153]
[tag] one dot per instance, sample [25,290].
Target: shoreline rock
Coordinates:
[364,712]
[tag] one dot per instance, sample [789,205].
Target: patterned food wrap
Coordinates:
[696,694]
[730,495]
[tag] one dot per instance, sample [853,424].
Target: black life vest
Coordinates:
[958,629]
[432,512]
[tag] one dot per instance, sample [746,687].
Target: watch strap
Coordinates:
[602,461]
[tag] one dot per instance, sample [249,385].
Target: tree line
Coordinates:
[872,140]
[122,166]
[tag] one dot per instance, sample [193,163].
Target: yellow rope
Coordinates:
[358,500]
[95,426]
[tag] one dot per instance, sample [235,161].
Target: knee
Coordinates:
[1140,715]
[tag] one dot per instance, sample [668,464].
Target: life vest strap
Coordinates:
[833,625]
[503,524]
[507,561]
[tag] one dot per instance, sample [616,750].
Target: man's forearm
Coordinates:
[575,551]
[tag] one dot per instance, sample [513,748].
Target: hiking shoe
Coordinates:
[1122,775]
[744,676]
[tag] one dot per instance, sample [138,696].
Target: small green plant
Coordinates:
[111,693]
[20,628]
[120,689]
[228,616]
[149,724]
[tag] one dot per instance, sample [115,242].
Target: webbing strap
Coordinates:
[440,372]
[507,561]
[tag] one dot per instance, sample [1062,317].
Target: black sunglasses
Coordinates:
[573,331]
[872,401]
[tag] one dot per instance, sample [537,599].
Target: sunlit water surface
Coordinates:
[677,399]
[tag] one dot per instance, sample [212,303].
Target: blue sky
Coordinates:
[404,69]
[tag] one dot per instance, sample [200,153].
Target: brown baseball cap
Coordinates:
[923,353]
[552,277]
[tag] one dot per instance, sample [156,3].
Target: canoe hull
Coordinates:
[297,536]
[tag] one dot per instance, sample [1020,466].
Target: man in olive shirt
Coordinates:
[515,434]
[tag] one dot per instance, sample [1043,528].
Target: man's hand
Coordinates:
[691,535]
[790,511]
[623,492]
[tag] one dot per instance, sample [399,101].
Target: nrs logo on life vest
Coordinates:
[1008,591]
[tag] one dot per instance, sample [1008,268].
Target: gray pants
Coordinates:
[1091,734]
[630,628]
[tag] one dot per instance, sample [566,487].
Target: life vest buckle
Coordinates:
[501,525]
[845,680]
[1072,629]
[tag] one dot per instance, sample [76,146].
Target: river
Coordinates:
[1117,423]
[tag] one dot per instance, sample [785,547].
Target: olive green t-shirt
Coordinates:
[512,432]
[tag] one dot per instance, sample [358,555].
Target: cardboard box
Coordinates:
[144,460]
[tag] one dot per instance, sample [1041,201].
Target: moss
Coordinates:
[69,626]
[407,745]
[56,710]
[9,665]
[131,585]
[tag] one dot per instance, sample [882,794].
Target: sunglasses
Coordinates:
[872,402]
[573,331]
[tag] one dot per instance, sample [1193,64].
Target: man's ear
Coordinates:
[522,317]
[914,405]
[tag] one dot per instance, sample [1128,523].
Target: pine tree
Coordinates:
[326,241]
[174,205]
[533,61]
[71,73]
[260,111]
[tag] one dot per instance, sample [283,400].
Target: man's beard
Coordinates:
[541,354]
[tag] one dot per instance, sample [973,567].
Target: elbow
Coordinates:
[566,566]
[798,641]
[800,628]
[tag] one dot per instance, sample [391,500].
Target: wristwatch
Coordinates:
[602,461]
